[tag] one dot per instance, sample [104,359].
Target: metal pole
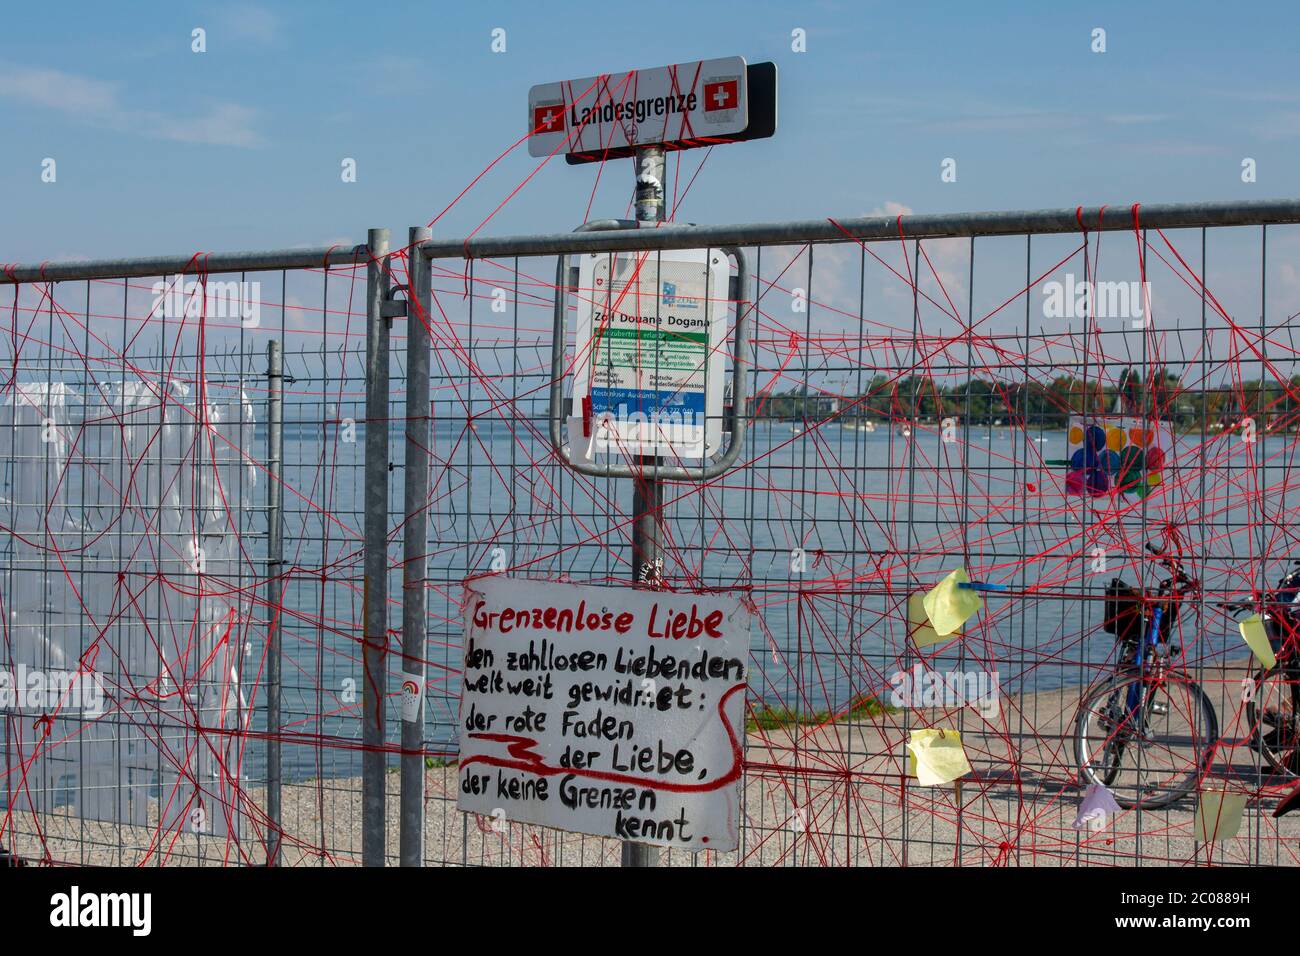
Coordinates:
[274,593]
[375,594]
[647,492]
[415,544]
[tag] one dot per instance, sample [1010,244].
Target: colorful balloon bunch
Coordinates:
[1114,459]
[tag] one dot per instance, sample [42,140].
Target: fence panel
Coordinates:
[921,397]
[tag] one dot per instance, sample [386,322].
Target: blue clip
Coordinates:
[981,586]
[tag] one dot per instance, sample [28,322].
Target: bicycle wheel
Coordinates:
[1151,757]
[1273,714]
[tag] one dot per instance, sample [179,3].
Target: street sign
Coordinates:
[651,329]
[689,104]
[651,342]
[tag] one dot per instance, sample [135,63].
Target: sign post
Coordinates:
[642,114]
[647,492]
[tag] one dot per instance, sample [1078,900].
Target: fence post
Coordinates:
[375,592]
[274,593]
[647,492]
[415,543]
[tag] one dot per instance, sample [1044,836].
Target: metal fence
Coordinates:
[209,538]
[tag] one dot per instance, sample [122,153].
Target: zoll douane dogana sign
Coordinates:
[648,375]
[605,710]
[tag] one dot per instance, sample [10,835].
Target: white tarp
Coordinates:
[125,500]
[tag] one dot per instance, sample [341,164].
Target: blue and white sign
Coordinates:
[649,368]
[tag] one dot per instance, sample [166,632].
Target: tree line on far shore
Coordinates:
[1160,395]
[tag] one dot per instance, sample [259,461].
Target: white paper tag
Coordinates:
[412,696]
[581,447]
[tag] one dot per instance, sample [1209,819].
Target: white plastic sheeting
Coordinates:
[124,502]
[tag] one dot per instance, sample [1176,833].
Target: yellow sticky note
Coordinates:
[936,757]
[918,623]
[948,606]
[1256,638]
[1218,815]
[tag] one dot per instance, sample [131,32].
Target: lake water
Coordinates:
[831,527]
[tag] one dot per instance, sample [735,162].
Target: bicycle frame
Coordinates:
[1137,692]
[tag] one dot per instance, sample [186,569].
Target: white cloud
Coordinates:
[1136,119]
[57,90]
[226,124]
[892,209]
[1277,126]
[396,75]
[100,103]
[250,22]
[949,257]
[1006,121]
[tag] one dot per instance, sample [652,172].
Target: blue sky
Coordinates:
[162,150]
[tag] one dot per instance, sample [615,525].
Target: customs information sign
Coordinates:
[649,369]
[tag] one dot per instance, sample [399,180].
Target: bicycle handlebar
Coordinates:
[1175,567]
[1233,607]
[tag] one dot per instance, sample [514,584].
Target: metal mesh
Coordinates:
[911,411]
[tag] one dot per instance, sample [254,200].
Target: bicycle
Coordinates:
[1272,695]
[1148,732]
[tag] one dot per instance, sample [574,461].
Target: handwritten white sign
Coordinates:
[605,710]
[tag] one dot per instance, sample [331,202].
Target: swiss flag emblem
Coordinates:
[548,119]
[723,95]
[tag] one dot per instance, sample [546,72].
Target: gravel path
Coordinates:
[858,808]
